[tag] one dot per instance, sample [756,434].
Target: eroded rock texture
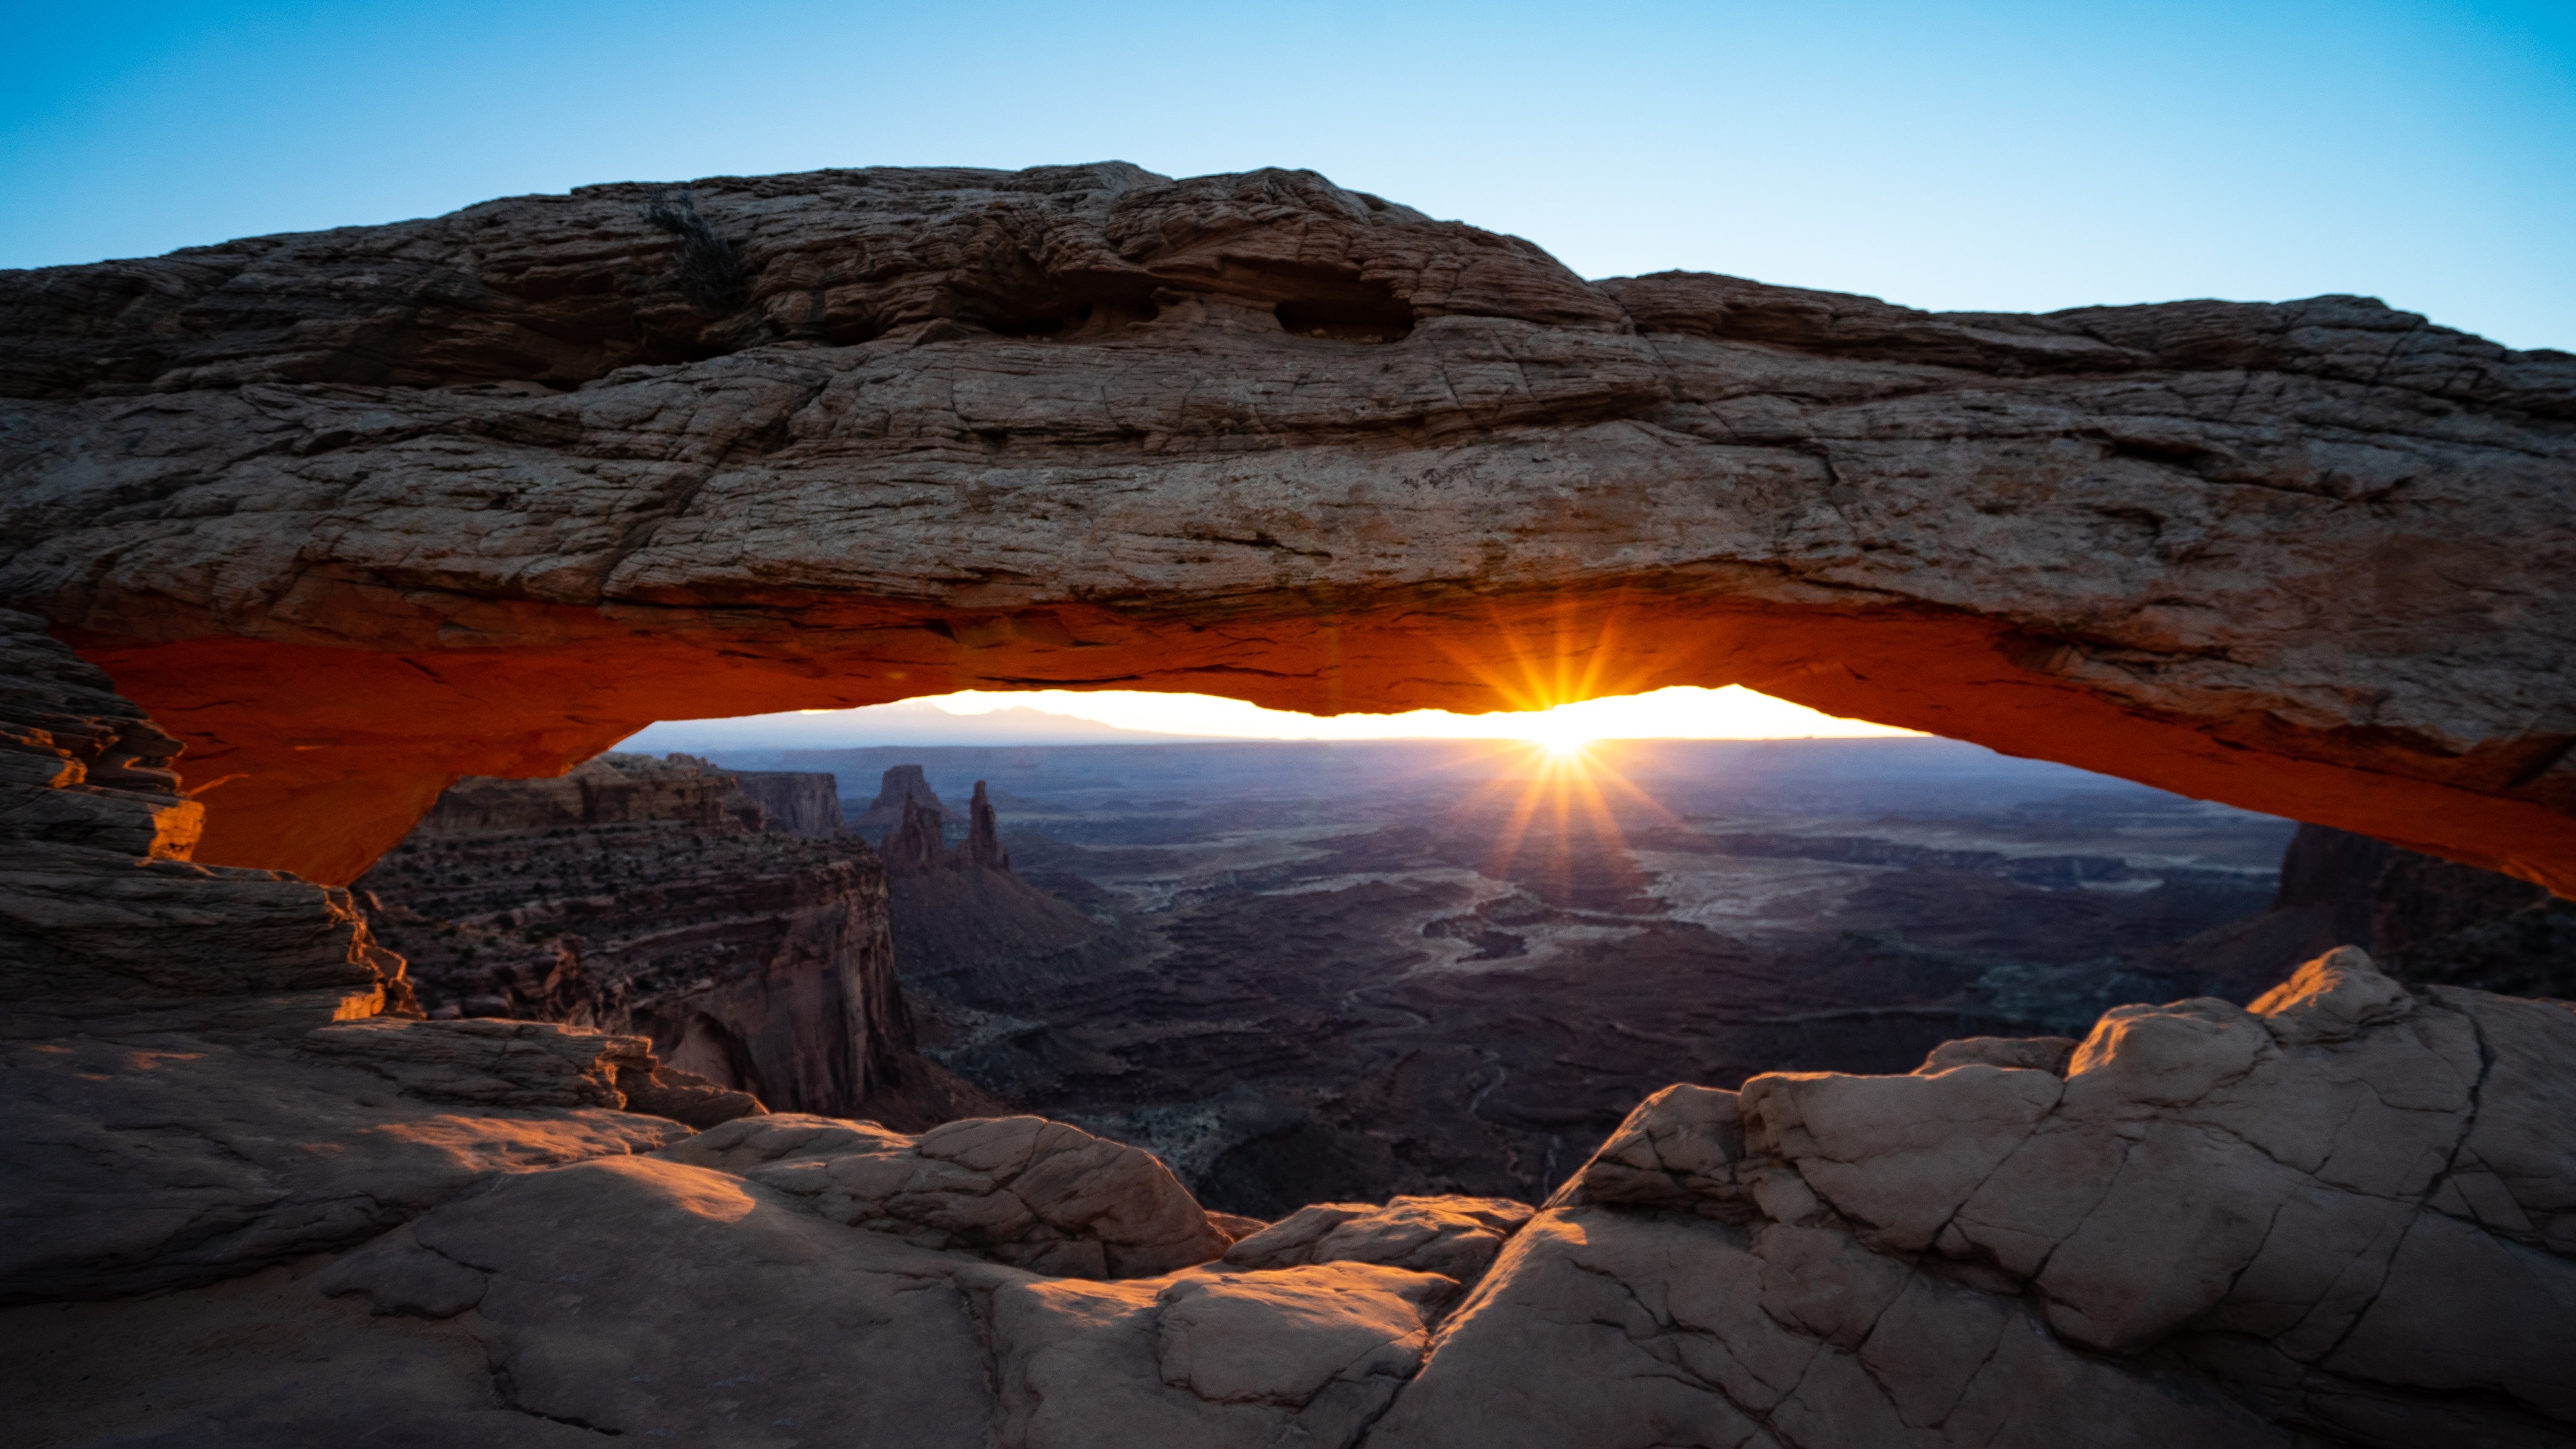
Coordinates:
[198,1074]
[903,785]
[1456,1237]
[2348,1209]
[656,897]
[2339,1218]
[1021,1190]
[798,802]
[2427,920]
[517,480]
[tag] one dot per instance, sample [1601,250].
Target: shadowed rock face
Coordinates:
[904,787]
[794,802]
[354,513]
[199,1074]
[629,896]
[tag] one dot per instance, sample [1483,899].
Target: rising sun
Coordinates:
[1559,738]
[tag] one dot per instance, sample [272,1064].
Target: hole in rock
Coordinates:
[1380,318]
[1033,305]
[1315,959]
[1307,301]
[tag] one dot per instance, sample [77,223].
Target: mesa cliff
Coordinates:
[652,897]
[481,494]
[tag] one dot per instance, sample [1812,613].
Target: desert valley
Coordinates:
[1305,972]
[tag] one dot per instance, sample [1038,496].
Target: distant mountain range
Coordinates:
[911,722]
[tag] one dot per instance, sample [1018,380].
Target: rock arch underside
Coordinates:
[299,530]
[357,512]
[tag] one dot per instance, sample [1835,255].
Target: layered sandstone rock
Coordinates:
[197,1075]
[969,930]
[110,928]
[904,786]
[515,481]
[653,897]
[609,790]
[1020,1190]
[799,802]
[983,834]
[914,846]
[918,841]
[2428,920]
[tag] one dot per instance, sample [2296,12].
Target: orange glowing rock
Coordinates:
[1260,437]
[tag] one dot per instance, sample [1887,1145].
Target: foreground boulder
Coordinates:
[2351,1207]
[1453,1236]
[760,1321]
[1616,1331]
[1020,1190]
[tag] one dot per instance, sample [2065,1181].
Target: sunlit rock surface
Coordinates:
[197,1077]
[1456,1237]
[2349,1206]
[357,512]
[1020,1190]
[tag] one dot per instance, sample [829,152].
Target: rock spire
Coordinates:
[983,835]
[919,844]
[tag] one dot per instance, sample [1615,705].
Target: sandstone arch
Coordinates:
[353,513]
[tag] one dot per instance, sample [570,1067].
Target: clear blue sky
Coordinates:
[2000,155]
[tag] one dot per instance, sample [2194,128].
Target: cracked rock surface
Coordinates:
[2213,1229]
[1021,1190]
[2297,1199]
[1453,1236]
[1684,1330]
[358,512]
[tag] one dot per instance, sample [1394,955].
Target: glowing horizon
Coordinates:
[1679,712]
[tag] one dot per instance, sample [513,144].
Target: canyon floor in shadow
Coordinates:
[1305,971]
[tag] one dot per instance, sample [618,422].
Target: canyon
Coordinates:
[302,531]
[1300,972]
[654,898]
